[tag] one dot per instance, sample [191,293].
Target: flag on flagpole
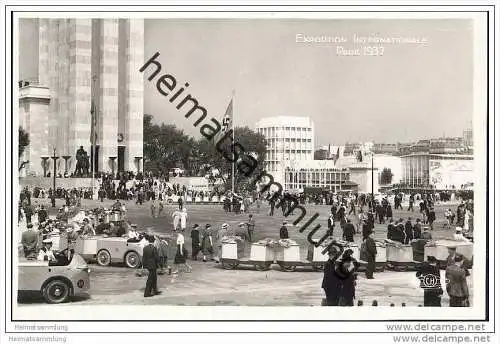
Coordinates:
[93,123]
[227,122]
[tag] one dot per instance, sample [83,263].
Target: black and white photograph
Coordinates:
[250,164]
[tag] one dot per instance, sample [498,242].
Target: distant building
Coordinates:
[316,173]
[288,139]
[467,137]
[443,171]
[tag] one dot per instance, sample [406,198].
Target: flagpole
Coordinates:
[232,128]
[93,119]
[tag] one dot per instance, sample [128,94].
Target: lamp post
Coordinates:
[53,200]
[373,182]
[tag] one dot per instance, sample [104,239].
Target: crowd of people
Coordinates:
[206,241]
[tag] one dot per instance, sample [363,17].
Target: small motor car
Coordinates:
[172,199]
[118,250]
[57,282]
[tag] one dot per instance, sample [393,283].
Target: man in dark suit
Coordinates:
[284,231]
[408,231]
[151,261]
[430,281]
[349,231]
[371,253]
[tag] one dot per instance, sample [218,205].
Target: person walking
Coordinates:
[284,231]
[207,243]
[408,232]
[250,227]
[390,230]
[151,262]
[29,240]
[162,247]
[331,224]
[176,218]
[370,252]
[184,216]
[430,281]
[346,271]
[153,209]
[456,283]
[349,231]
[195,242]
[181,255]
[331,284]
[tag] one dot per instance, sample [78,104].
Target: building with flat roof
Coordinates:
[288,139]
[65,66]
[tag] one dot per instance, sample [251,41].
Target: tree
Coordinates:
[165,147]
[252,142]
[386,176]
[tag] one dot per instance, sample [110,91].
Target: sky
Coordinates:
[412,91]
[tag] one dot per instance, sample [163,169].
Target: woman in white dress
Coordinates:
[184,216]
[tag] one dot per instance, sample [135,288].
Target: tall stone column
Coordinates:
[108,87]
[135,93]
[80,55]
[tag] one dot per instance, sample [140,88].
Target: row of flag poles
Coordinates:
[226,124]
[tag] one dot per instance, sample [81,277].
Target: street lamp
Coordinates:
[53,200]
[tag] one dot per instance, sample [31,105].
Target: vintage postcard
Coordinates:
[268,164]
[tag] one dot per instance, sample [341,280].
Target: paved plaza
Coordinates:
[210,285]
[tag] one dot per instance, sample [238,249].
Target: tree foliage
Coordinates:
[253,144]
[166,147]
[24,140]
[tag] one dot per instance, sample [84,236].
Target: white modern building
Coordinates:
[316,173]
[288,139]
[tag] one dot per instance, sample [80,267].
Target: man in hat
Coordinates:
[132,234]
[87,229]
[417,230]
[332,285]
[346,271]
[42,214]
[284,231]
[151,262]
[430,281]
[426,234]
[348,231]
[452,252]
[46,253]
[370,249]
[331,224]
[195,242]
[207,242]
[29,240]
[408,231]
[456,283]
